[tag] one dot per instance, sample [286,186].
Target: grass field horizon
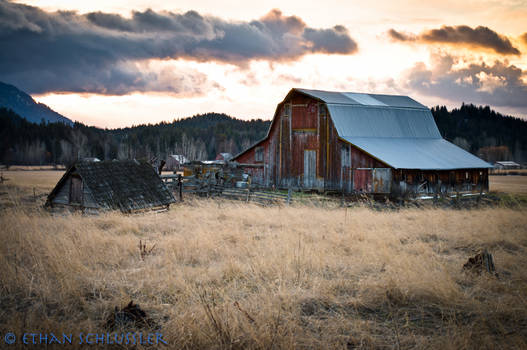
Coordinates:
[231,275]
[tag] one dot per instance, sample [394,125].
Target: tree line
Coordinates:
[479,130]
[199,137]
[484,132]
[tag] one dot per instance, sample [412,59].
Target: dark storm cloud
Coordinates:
[96,52]
[499,84]
[461,35]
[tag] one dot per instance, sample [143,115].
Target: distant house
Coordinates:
[507,164]
[360,143]
[127,185]
[224,156]
[175,161]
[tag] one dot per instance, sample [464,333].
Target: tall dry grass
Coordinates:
[227,275]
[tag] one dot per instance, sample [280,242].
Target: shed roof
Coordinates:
[126,185]
[507,163]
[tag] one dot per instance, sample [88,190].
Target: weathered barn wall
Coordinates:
[63,194]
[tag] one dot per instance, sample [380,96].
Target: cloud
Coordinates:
[523,37]
[100,52]
[461,35]
[400,36]
[499,84]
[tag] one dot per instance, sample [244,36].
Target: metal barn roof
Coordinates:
[360,121]
[397,130]
[418,153]
[361,99]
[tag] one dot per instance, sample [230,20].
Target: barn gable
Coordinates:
[125,185]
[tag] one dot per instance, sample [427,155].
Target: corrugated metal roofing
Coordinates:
[354,98]
[360,121]
[418,153]
[397,130]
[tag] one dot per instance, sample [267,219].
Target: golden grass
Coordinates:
[509,184]
[231,275]
[43,180]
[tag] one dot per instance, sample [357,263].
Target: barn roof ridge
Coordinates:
[362,99]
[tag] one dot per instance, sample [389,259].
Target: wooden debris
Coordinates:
[482,261]
[131,316]
[144,251]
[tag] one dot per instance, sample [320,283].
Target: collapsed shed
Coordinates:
[365,143]
[127,185]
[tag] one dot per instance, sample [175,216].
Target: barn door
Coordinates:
[382,180]
[345,169]
[310,168]
[76,190]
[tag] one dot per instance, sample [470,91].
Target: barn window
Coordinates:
[287,110]
[466,175]
[259,154]
[345,156]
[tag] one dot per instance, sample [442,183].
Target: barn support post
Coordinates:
[352,180]
[289,193]
[480,189]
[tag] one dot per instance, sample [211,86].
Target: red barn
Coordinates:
[355,142]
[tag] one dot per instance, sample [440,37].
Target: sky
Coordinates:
[128,62]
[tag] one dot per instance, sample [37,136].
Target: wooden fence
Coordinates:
[212,187]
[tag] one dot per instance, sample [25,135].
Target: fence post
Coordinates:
[180,185]
[289,196]
[248,192]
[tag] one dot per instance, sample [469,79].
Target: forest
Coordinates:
[199,137]
[480,130]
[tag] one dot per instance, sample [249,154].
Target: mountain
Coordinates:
[25,106]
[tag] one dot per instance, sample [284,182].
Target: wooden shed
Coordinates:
[360,143]
[127,185]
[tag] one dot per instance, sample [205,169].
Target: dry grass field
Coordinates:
[509,184]
[227,275]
